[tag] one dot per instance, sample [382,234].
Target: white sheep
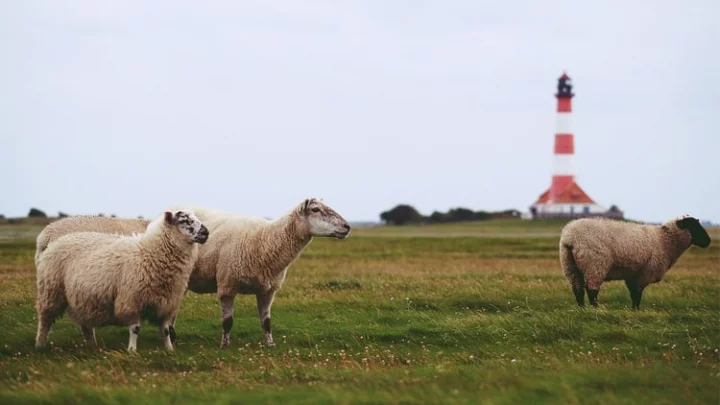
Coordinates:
[248,255]
[104,279]
[68,225]
[597,250]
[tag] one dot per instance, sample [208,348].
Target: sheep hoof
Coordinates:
[173,335]
[593,296]
[270,344]
[225,342]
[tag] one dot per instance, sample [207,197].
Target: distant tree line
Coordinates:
[38,213]
[404,214]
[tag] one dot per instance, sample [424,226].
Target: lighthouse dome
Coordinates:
[564,86]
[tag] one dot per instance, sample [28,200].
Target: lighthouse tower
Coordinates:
[565,198]
[563,170]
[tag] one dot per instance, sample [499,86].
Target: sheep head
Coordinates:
[698,234]
[188,225]
[323,220]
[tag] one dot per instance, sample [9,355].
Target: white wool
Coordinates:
[140,275]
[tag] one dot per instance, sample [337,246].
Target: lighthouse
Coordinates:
[565,198]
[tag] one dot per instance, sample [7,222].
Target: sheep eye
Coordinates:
[315,209]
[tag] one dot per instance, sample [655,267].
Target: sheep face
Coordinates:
[188,224]
[698,234]
[324,221]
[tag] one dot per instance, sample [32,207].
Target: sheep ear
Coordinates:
[168,217]
[306,204]
[302,207]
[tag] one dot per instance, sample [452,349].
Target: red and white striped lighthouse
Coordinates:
[565,198]
[563,169]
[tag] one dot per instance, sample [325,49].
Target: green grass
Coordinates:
[492,228]
[393,319]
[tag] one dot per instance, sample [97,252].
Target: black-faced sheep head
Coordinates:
[698,234]
[323,220]
[188,224]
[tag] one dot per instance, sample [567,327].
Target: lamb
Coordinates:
[104,279]
[247,255]
[87,224]
[597,250]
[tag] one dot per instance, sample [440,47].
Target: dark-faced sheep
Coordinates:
[596,250]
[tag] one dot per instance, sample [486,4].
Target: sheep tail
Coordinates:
[574,275]
[566,256]
[567,260]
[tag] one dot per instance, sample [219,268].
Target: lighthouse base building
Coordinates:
[565,198]
[571,202]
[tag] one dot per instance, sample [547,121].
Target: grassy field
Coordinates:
[496,228]
[475,313]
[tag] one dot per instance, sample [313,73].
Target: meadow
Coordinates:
[465,314]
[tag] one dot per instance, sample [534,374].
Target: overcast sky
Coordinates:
[252,106]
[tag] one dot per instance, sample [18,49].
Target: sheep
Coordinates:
[87,224]
[248,255]
[597,250]
[105,279]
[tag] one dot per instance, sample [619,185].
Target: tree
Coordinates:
[460,214]
[438,217]
[401,215]
[63,214]
[36,213]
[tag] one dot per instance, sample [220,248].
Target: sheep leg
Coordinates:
[264,304]
[47,316]
[592,296]
[593,282]
[227,303]
[89,335]
[171,330]
[165,332]
[635,292]
[578,281]
[579,296]
[173,335]
[44,326]
[134,329]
